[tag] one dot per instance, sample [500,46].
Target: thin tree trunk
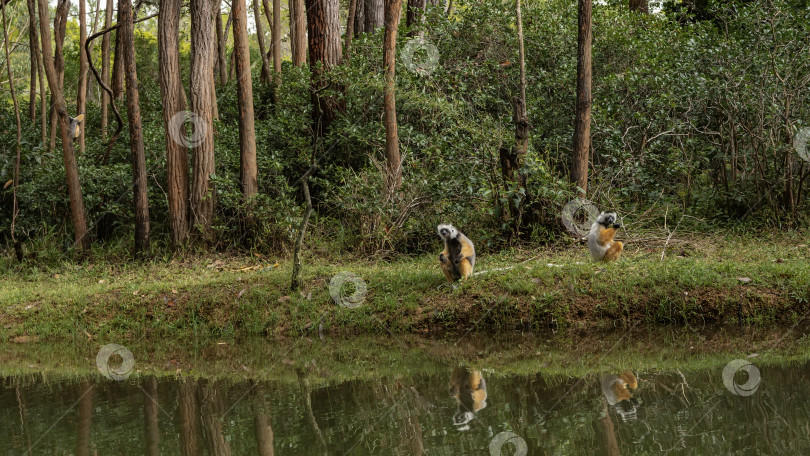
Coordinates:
[299,14]
[350,28]
[582,123]
[222,63]
[140,198]
[276,36]
[360,18]
[247,131]
[149,387]
[295,282]
[93,30]
[173,96]
[266,77]
[639,5]
[105,69]
[211,409]
[43,100]
[81,90]
[59,29]
[416,12]
[264,430]
[85,407]
[16,179]
[374,15]
[203,50]
[392,155]
[33,50]
[118,69]
[52,62]
[188,409]
[323,26]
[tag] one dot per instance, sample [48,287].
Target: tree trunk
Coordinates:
[173,96]
[222,63]
[416,12]
[17,148]
[266,77]
[149,387]
[202,88]
[118,68]
[639,5]
[323,26]
[374,15]
[360,18]
[350,28]
[582,123]
[33,47]
[105,69]
[85,407]
[43,100]
[276,48]
[392,156]
[211,410]
[93,29]
[52,62]
[81,89]
[140,198]
[188,409]
[247,132]
[299,32]
[60,26]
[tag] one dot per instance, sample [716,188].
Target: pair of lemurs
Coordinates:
[458,258]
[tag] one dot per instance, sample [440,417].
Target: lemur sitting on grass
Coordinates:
[600,239]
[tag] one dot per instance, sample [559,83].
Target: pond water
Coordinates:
[561,395]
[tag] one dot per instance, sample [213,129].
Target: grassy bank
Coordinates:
[707,281]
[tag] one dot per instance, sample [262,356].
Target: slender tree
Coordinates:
[582,122]
[639,5]
[349,27]
[374,15]
[118,69]
[266,75]
[203,49]
[247,132]
[416,11]
[16,179]
[222,64]
[141,200]
[299,32]
[173,97]
[33,48]
[51,60]
[105,69]
[59,29]
[81,90]
[360,18]
[323,26]
[392,156]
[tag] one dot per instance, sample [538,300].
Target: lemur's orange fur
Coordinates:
[458,257]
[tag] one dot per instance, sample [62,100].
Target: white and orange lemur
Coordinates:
[458,258]
[470,390]
[600,239]
[616,392]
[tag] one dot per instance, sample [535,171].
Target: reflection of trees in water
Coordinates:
[411,415]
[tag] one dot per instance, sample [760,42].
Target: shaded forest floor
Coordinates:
[699,282]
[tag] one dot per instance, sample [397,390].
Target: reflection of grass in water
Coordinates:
[697,282]
[555,358]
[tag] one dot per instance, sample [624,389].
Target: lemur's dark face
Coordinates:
[609,219]
[444,232]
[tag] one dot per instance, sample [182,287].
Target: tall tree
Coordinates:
[416,11]
[105,68]
[16,179]
[247,131]
[323,26]
[81,90]
[266,75]
[51,60]
[276,47]
[298,31]
[360,18]
[203,50]
[118,69]
[392,155]
[639,5]
[173,97]
[33,48]
[374,15]
[349,27]
[127,36]
[582,122]
[59,29]
[222,64]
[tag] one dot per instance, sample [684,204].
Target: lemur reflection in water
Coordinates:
[470,391]
[618,396]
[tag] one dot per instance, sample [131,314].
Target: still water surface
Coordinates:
[436,399]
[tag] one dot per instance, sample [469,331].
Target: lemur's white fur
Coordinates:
[451,228]
[598,250]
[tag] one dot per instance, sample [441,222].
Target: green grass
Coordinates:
[698,283]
